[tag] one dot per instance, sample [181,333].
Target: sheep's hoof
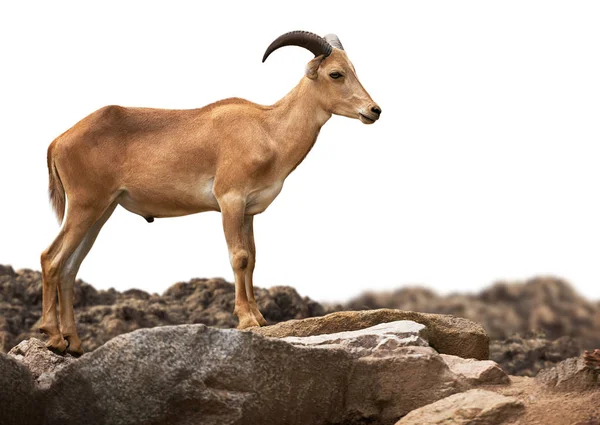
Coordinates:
[57,344]
[74,347]
[259,318]
[248,322]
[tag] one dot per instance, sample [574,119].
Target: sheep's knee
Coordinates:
[50,268]
[239,260]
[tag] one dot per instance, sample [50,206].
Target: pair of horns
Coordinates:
[316,44]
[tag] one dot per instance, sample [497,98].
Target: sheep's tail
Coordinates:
[56,190]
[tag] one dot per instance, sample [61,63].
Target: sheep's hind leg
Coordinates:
[69,273]
[50,278]
[79,219]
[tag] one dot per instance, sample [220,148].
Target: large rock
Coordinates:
[19,404]
[192,374]
[474,407]
[477,372]
[447,334]
[574,374]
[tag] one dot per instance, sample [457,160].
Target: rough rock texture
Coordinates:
[102,315]
[382,339]
[527,355]
[592,359]
[41,362]
[148,376]
[474,407]
[574,374]
[18,401]
[447,334]
[477,372]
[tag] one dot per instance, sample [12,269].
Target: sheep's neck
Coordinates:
[297,120]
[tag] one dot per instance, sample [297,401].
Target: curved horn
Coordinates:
[316,44]
[334,41]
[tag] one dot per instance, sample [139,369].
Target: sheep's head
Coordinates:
[333,75]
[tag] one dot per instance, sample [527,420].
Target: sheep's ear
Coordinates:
[313,66]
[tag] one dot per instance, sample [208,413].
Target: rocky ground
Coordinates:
[377,367]
[532,325]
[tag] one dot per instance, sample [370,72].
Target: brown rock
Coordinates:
[570,375]
[474,407]
[447,334]
[477,372]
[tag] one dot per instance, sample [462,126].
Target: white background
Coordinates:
[484,165]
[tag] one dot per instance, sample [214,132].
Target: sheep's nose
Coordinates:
[376,110]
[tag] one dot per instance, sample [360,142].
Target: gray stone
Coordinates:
[473,407]
[477,372]
[382,339]
[19,404]
[191,374]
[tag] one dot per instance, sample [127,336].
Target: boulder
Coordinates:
[41,362]
[473,407]
[19,404]
[477,372]
[574,374]
[447,334]
[192,374]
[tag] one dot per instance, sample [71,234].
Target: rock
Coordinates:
[592,359]
[477,372]
[18,400]
[527,354]
[382,339]
[192,374]
[474,407]
[447,334]
[383,389]
[41,362]
[6,270]
[570,375]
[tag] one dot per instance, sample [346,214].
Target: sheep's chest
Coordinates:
[259,200]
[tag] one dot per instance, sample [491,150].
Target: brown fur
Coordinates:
[231,156]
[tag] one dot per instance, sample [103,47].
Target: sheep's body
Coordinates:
[231,156]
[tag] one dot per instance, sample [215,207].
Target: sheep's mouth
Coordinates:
[365,119]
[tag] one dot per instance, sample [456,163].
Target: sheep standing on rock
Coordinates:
[231,156]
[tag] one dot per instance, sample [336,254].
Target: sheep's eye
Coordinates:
[335,75]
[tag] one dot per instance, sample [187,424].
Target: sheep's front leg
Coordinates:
[232,210]
[249,234]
